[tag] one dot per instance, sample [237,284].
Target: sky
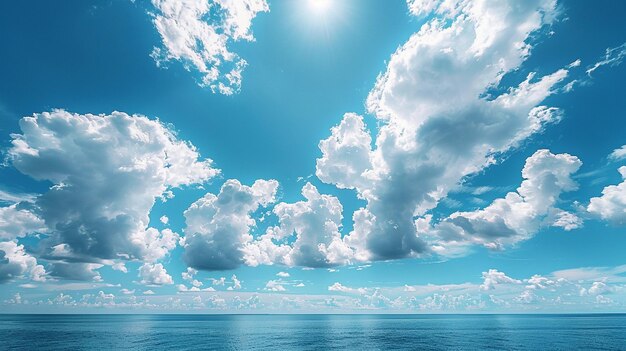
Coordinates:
[312,156]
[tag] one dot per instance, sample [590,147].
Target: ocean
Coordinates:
[313,332]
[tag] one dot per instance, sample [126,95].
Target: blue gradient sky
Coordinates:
[305,69]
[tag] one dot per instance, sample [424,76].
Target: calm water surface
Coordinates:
[313,332]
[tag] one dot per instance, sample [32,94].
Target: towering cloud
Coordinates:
[441,119]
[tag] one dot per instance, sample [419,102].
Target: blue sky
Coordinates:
[320,156]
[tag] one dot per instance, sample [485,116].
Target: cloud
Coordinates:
[16,222]
[315,223]
[618,154]
[517,216]
[493,277]
[218,226]
[15,262]
[441,120]
[612,57]
[611,206]
[342,288]
[282,274]
[199,33]
[76,271]
[274,285]
[107,172]
[154,274]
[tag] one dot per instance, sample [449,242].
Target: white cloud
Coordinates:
[154,274]
[282,274]
[493,277]
[275,285]
[219,226]
[16,223]
[107,172]
[236,283]
[164,219]
[517,216]
[612,57]
[127,291]
[439,119]
[315,223]
[611,206]
[618,154]
[120,266]
[342,288]
[199,33]
[15,262]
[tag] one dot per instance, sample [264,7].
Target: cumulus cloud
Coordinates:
[517,216]
[218,226]
[16,222]
[315,223]
[199,33]
[154,274]
[107,172]
[275,285]
[493,277]
[611,206]
[440,119]
[15,262]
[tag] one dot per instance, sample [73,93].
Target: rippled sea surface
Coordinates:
[313,332]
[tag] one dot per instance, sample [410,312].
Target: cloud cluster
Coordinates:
[218,226]
[106,172]
[199,32]
[515,217]
[441,118]
[15,262]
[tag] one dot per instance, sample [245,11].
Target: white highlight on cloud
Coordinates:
[439,121]
[218,226]
[107,171]
[611,206]
[199,33]
[154,274]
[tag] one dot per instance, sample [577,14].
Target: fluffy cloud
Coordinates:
[15,262]
[16,222]
[107,172]
[315,223]
[493,277]
[275,285]
[517,216]
[154,274]
[441,119]
[611,206]
[198,33]
[218,227]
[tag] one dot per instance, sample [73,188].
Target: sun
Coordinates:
[319,5]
